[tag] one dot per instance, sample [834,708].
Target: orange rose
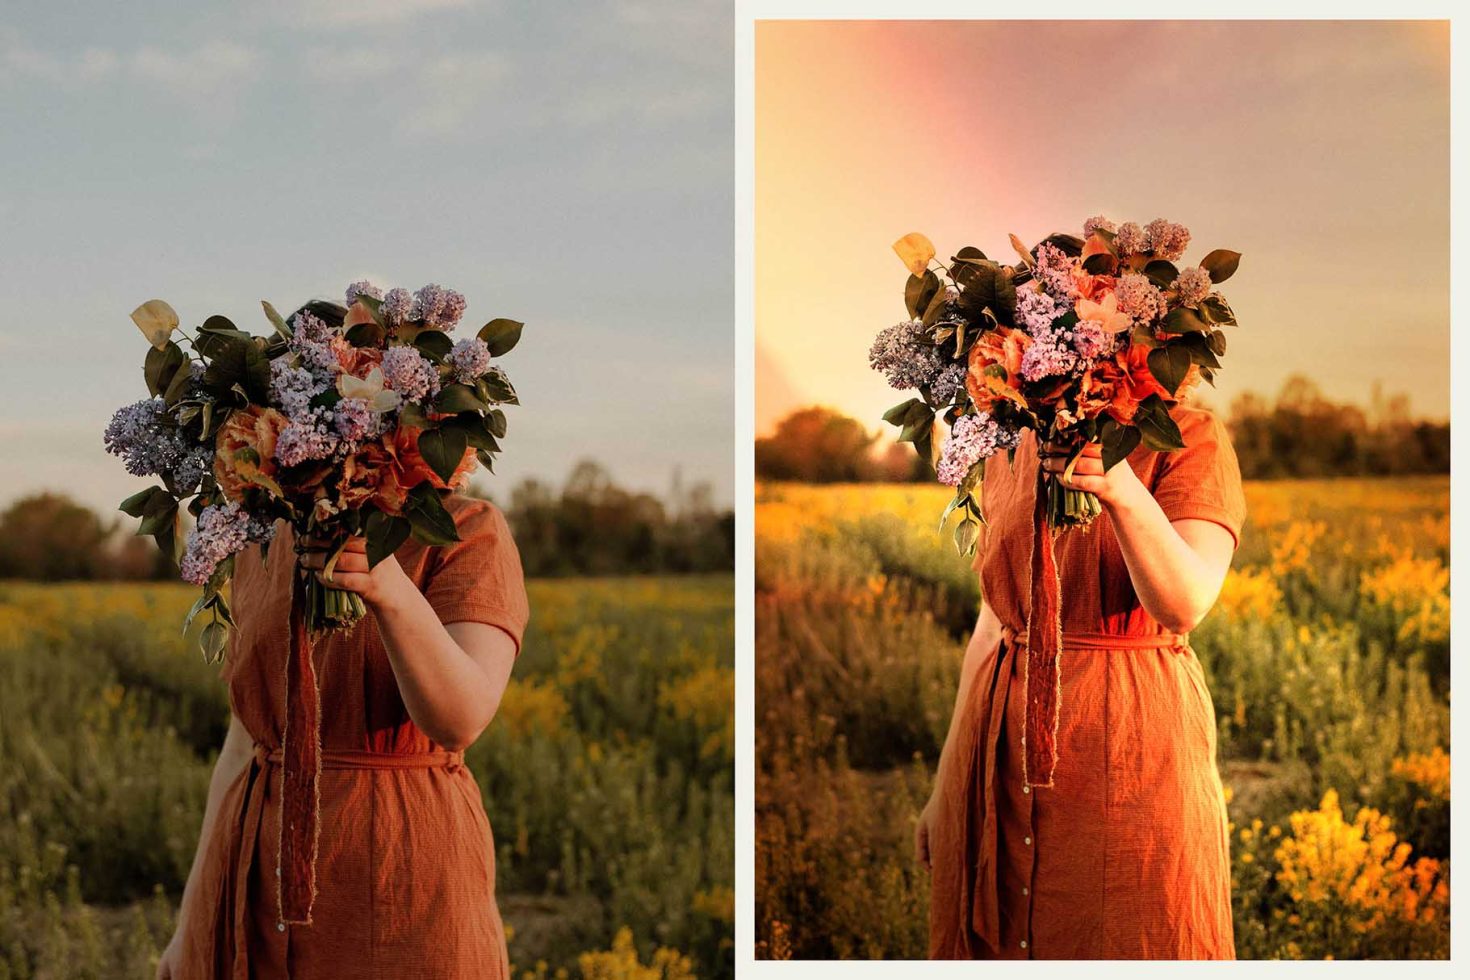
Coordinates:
[415,470]
[1092,287]
[357,361]
[1004,347]
[244,451]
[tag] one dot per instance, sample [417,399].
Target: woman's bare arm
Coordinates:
[451,677]
[1177,567]
[233,757]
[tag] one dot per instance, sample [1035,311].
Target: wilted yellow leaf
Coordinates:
[157,320]
[915,251]
[1022,251]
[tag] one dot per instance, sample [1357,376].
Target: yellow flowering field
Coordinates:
[606,776]
[1328,659]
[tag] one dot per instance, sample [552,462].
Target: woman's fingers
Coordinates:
[348,561]
[346,581]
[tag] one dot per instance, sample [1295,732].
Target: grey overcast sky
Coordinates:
[567,164]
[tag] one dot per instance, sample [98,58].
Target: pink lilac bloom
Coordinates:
[971,439]
[221,531]
[1094,223]
[1130,239]
[1166,239]
[1139,298]
[354,420]
[1192,285]
[362,288]
[409,373]
[437,307]
[307,438]
[1054,271]
[951,382]
[1052,350]
[470,359]
[316,342]
[293,388]
[150,443]
[900,354]
[1091,341]
[397,306]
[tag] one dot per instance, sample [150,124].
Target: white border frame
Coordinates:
[747,12]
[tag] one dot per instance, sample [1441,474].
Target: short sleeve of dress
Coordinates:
[1202,480]
[479,578]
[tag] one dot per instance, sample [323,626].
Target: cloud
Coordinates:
[204,71]
[358,13]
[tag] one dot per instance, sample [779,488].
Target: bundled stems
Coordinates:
[1066,507]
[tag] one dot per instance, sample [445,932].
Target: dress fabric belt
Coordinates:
[264,757]
[985,910]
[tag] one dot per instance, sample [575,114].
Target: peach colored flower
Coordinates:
[1104,314]
[358,361]
[244,451]
[372,475]
[1090,286]
[415,470]
[1003,346]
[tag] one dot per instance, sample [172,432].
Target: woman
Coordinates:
[405,862]
[1126,855]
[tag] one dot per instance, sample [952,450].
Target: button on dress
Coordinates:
[1126,855]
[405,869]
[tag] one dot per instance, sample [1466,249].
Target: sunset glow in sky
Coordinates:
[1319,150]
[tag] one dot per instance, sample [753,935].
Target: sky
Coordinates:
[1320,151]
[567,164]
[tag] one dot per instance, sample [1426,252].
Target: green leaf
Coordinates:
[210,340]
[966,534]
[457,398]
[220,323]
[1182,319]
[919,291]
[242,366]
[435,344]
[160,365]
[1117,442]
[212,641]
[146,501]
[431,523]
[385,533]
[365,335]
[1161,273]
[159,519]
[276,320]
[495,422]
[1198,345]
[496,389]
[1220,264]
[1216,310]
[1169,364]
[1099,263]
[374,308]
[500,335]
[898,414]
[1159,430]
[1216,340]
[443,449]
[486,459]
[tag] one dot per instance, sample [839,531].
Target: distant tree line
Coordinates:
[1301,434]
[590,526]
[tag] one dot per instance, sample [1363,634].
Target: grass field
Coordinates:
[606,775]
[1328,659]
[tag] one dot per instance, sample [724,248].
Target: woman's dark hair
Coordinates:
[332,314]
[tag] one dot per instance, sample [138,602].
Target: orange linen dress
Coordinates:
[1126,856]
[405,869]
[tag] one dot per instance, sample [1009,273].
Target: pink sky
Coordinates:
[1319,150]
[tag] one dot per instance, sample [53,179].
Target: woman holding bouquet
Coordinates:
[1126,854]
[404,859]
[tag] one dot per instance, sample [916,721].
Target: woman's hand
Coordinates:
[168,963]
[377,586]
[1118,484]
[921,834]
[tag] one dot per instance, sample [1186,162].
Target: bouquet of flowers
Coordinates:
[348,420]
[1084,340]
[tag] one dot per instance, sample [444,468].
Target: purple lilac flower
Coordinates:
[1139,298]
[1093,342]
[900,355]
[1166,239]
[971,439]
[354,420]
[307,438]
[1130,239]
[312,339]
[362,288]
[149,442]
[1054,271]
[470,359]
[222,530]
[409,373]
[951,381]
[397,306]
[294,388]
[1192,285]
[437,307]
[1094,223]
